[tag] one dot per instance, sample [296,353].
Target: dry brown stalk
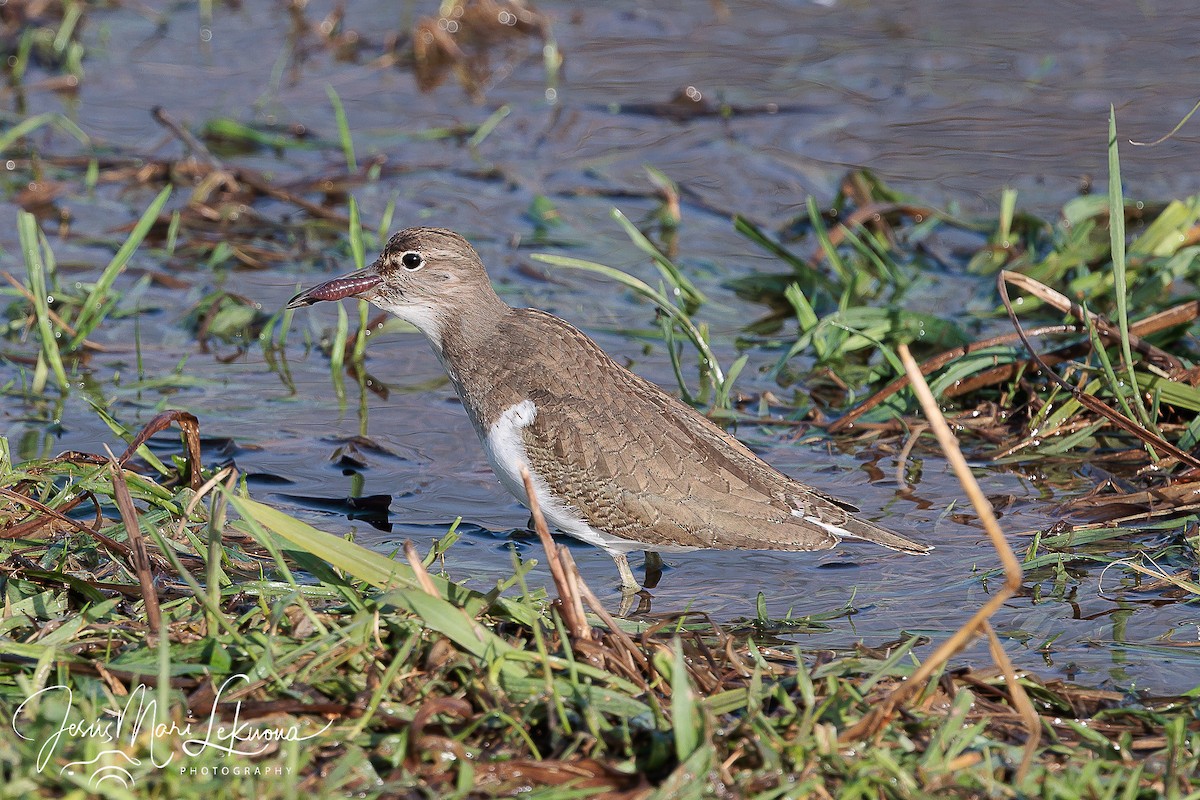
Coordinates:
[1107,329]
[141,558]
[910,442]
[1169,318]
[615,630]
[934,364]
[1019,699]
[199,151]
[227,474]
[574,579]
[24,529]
[423,578]
[213,174]
[576,624]
[879,716]
[191,435]
[263,185]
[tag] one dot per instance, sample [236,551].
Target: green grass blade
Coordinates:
[358,250]
[364,564]
[385,221]
[24,127]
[670,271]
[1168,233]
[92,312]
[685,713]
[353,559]
[668,334]
[835,259]
[1176,393]
[726,387]
[1008,205]
[337,355]
[343,126]
[30,237]
[1116,232]
[31,124]
[488,125]
[808,278]
[645,290]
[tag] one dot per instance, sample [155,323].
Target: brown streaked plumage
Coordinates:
[616,461]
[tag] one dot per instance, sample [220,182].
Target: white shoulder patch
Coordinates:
[505,446]
[521,415]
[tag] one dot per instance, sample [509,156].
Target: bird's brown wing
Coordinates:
[666,487]
[638,463]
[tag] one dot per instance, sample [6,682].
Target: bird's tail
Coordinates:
[870,532]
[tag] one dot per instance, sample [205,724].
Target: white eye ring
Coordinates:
[411,260]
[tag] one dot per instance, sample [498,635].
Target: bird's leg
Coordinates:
[653,566]
[628,584]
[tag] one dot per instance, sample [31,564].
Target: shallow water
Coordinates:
[949,103]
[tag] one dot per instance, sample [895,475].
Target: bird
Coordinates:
[615,460]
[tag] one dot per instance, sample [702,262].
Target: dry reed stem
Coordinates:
[220,475]
[932,365]
[1171,317]
[620,635]
[137,544]
[1020,701]
[882,713]
[569,600]
[210,167]
[914,433]
[188,424]
[574,579]
[199,150]
[1107,329]
[115,548]
[418,565]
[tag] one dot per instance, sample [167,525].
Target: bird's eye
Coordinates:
[412,260]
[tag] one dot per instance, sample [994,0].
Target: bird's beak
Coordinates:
[352,284]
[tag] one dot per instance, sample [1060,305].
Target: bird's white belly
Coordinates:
[505,450]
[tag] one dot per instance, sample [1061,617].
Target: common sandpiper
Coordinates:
[615,461]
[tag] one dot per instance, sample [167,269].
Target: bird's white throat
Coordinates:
[425,318]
